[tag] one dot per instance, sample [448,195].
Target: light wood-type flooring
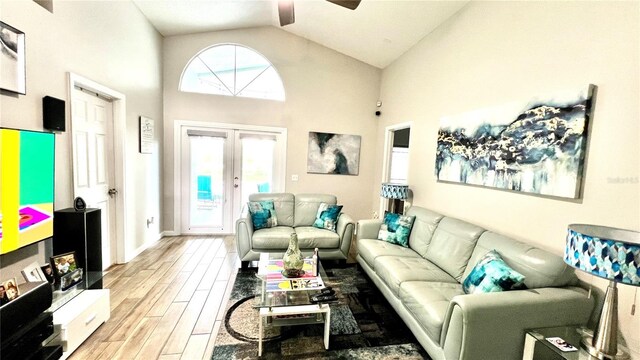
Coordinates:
[168,302]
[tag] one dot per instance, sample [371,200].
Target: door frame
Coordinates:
[119,137]
[177,159]
[386,157]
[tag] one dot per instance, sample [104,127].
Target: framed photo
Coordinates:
[70,279]
[8,291]
[48,273]
[33,273]
[64,264]
[13,75]
[146,135]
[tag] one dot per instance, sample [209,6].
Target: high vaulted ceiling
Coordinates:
[377,32]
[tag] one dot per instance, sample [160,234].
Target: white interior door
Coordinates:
[92,142]
[220,168]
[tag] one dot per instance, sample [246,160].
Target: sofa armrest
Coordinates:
[244,234]
[493,325]
[368,229]
[345,228]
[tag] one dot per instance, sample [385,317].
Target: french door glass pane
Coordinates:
[207,181]
[257,166]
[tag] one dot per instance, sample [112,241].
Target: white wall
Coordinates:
[492,53]
[110,43]
[325,91]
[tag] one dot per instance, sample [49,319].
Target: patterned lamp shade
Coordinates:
[394,191]
[609,253]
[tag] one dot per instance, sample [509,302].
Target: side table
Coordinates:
[536,347]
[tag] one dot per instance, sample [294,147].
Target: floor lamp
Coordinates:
[395,193]
[612,254]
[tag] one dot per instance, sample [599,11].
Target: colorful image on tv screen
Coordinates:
[26,188]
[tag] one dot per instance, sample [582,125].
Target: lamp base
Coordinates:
[586,344]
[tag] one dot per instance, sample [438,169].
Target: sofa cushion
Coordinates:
[283,204]
[540,268]
[396,228]
[428,303]
[452,245]
[370,249]
[327,216]
[310,237]
[491,274]
[423,228]
[307,207]
[275,238]
[263,214]
[395,270]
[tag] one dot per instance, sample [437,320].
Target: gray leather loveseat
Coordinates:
[295,213]
[423,284]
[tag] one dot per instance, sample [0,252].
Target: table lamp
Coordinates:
[394,192]
[612,254]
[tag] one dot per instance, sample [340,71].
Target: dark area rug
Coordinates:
[363,325]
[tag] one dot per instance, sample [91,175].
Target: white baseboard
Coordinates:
[169,233]
[143,247]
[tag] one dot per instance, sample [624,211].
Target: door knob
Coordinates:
[112,192]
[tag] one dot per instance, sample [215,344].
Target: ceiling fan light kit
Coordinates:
[287,15]
[285,12]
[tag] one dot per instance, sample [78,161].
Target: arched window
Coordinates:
[232,70]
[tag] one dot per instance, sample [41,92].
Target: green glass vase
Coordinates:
[292,260]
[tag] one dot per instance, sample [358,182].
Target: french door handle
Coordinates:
[236,186]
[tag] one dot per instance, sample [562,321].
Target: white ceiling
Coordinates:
[377,32]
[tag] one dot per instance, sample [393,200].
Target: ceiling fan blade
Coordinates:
[286,13]
[349,4]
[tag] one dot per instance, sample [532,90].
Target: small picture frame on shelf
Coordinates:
[71,279]
[9,291]
[33,273]
[48,273]
[64,264]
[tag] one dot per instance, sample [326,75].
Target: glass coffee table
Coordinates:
[287,302]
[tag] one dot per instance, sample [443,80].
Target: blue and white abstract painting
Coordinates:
[535,147]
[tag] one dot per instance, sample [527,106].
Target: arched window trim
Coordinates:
[231,92]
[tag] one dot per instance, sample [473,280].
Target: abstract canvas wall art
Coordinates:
[12,59]
[333,154]
[535,147]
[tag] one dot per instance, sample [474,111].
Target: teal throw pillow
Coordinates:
[492,274]
[263,214]
[327,216]
[396,228]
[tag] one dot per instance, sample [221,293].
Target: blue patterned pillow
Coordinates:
[492,274]
[327,216]
[263,214]
[396,228]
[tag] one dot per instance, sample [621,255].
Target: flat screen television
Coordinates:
[26,187]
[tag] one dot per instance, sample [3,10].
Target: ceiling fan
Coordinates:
[287,15]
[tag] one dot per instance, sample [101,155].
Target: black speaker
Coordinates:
[53,113]
[80,231]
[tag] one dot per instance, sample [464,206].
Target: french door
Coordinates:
[220,168]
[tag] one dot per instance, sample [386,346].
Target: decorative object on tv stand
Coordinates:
[12,60]
[79,204]
[612,254]
[292,261]
[535,147]
[395,193]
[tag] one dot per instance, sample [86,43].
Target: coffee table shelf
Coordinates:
[276,306]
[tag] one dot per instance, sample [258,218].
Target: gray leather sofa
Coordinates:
[295,213]
[423,284]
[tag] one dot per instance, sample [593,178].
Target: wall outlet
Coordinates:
[375,214]
[294,177]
